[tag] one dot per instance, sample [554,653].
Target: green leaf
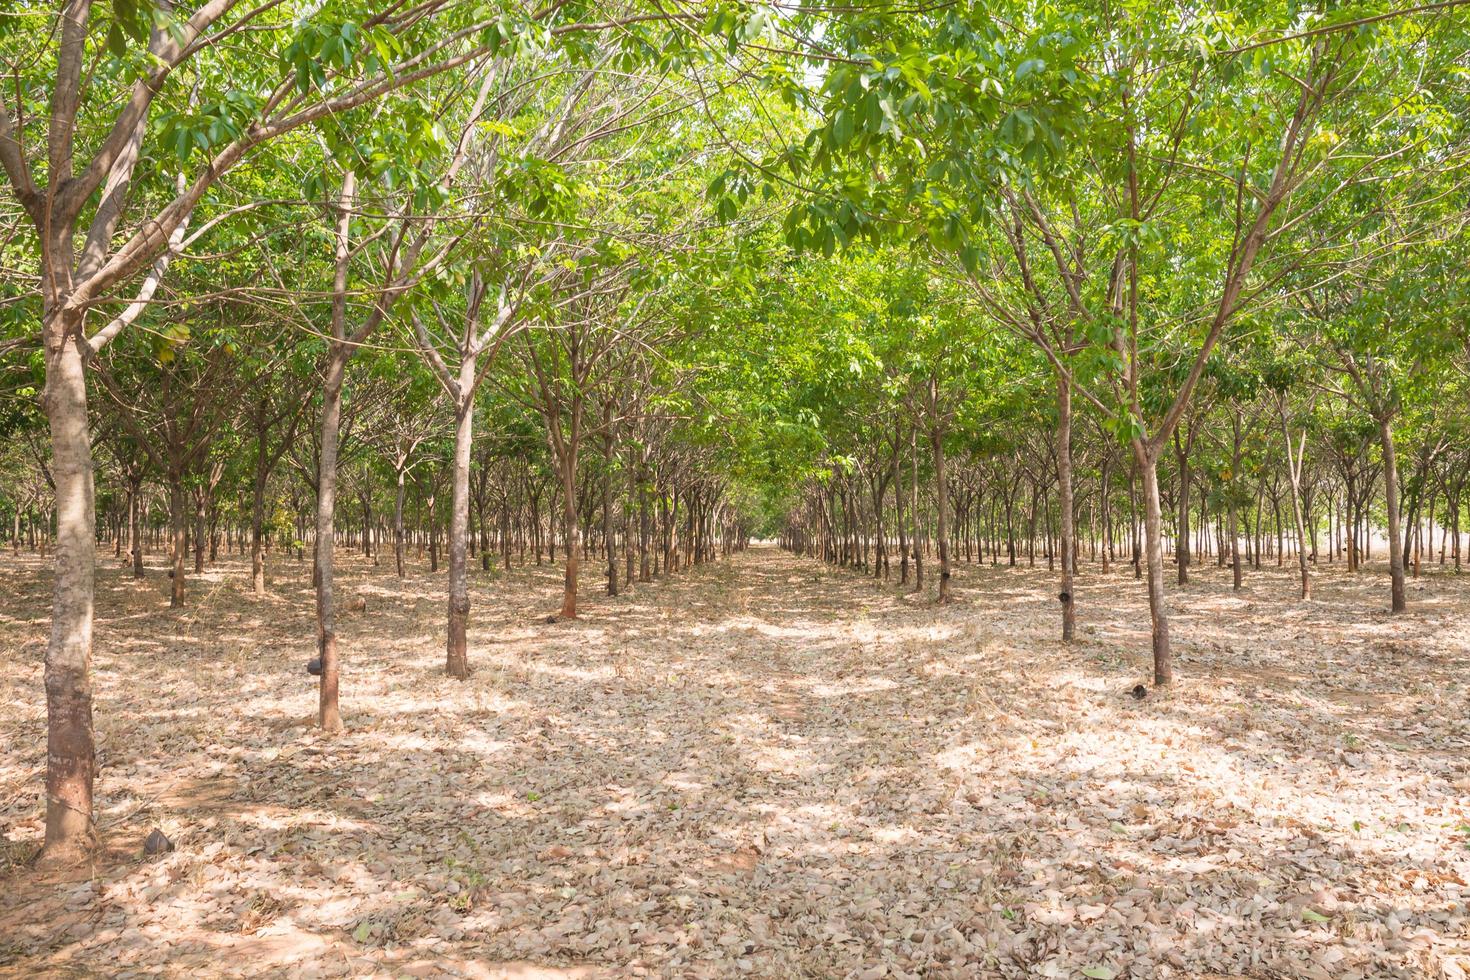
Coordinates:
[1099,973]
[1029,67]
[842,128]
[1309,915]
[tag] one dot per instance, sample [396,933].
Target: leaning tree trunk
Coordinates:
[1064,502]
[70,757]
[1395,535]
[456,663]
[1153,533]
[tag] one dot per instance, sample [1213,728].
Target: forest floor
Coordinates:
[761,767]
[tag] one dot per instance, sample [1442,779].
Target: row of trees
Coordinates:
[1281,451]
[1233,487]
[252,491]
[1143,193]
[278,265]
[224,217]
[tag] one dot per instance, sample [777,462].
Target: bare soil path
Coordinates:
[763,767]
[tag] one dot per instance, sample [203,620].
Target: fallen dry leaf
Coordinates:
[759,767]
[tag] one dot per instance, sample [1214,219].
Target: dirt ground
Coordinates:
[763,767]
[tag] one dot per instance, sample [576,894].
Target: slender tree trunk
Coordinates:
[201,530]
[456,663]
[1153,528]
[1294,471]
[177,543]
[1232,529]
[1395,531]
[1232,523]
[257,521]
[1064,493]
[135,533]
[645,569]
[898,521]
[398,524]
[941,523]
[609,552]
[329,715]
[433,531]
[1181,549]
[571,537]
[914,508]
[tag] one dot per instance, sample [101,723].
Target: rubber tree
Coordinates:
[471,335]
[73,133]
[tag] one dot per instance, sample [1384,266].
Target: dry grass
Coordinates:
[763,767]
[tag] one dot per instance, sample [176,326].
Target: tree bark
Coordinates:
[201,529]
[1232,518]
[1064,493]
[135,532]
[176,539]
[610,553]
[398,524]
[1395,532]
[1294,470]
[456,663]
[1153,528]
[941,502]
[257,523]
[914,508]
[571,537]
[329,715]
[1181,548]
[70,755]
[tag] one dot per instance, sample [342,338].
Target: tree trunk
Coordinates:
[571,532]
[201,530]
[1064,494]
[1232,529]
[609,552]
[456,663]
[941,503]
[329,715]
[398,524]
[176,539]
[257,521]
[898,522]
[1395,532]
[1181,548]
[70,756]
[1294,470]
[135,532]
[1153,528]
[914,508]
